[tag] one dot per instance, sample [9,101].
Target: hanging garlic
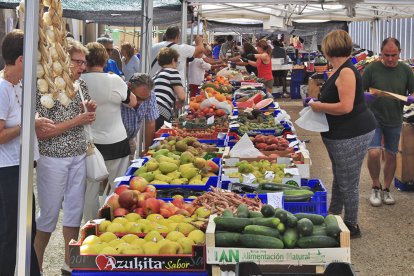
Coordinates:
[50,35]
[47,19]
[39,71]
[47,101]
[46,3]
[63,99]
[57,68]
[39,56]
[53,53]
[60,83]
[21,7]
[42,86]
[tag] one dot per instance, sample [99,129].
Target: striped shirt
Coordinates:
[164,82]
[133,119]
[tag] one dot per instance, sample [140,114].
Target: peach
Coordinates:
[152,206]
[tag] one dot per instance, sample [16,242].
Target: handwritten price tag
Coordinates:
[123,178]
[160,138]
[275,199]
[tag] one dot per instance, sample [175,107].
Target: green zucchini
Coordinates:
[227,213]
[305,227]
[291,221]
[282,214]
[267,210]
[317,242]
[231,224]
[242,211]
[332,227]
[269,222]
[290,237]
[227,239]
[277,187]
[316,219]
[254,214]
[319,230]
[261,230]
[260,241]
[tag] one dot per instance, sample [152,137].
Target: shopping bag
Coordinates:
[95,164]
[312,121]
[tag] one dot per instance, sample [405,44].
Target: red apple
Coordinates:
[151,190]
[165,212]
[139,211]
[113,201]
[138,183]
[178,202]
[128,199]
[189,208]
[152,206]
[162,202]
[212,166]
[142,198]
[120,212]
[121,188]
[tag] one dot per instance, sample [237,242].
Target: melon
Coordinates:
[256,98]
[247,104]
[264,103]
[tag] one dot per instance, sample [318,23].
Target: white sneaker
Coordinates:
[387,198]
[375,197]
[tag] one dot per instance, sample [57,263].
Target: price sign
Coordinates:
[210,120]
[123,178]
[275,199]
[167,124]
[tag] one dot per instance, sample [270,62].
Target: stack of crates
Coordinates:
[296,80]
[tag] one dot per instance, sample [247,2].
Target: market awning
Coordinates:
[114,12]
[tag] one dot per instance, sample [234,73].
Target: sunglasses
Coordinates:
[78,62]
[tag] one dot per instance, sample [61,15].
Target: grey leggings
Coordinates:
[347,156]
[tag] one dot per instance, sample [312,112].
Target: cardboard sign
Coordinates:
[275,199]
[381,93]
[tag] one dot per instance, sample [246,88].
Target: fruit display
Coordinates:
[263,171]
[218,200]
[199,119]
[275,229]
[270,143]
[210,133]
[255,121]
[219,84]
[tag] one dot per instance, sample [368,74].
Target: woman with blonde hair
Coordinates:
[130,62]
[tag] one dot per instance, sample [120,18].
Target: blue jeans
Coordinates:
[9,196]
[391,137]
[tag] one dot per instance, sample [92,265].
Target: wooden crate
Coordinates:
[317,258]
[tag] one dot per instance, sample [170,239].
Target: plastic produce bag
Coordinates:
[245,148]
[312,121]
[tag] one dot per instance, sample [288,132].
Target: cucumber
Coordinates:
[261,230]
[319,230]
[332,227]
[290,237]
[305,188]
[254,214]
[317,242]
[305,227]
[291,221]
[282,214]
[227,213]
[227,239]
[297,195]
[260,241]
[269,222]
[277,187]
[281,227]
[242,211]
[316,219]
[267,211]
[231,224]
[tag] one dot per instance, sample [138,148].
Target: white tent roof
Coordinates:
[271,11]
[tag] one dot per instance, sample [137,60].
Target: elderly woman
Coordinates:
[351,126]
[130,62]
[10,130]
[108,131]
[168,86]
[61,171]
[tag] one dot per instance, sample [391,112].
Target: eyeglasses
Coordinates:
[79,62]
[109,50]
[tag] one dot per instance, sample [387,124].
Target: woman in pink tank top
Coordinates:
[264,64]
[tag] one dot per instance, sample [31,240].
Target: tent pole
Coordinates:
[184,22]
[24,235]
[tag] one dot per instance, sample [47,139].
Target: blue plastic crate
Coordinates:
[212,181]
[295,90]
[218,142]
[404,186]
[317,205]
[297,75]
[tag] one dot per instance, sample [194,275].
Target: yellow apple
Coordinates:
[174,236]
[177,218]
[155,218]
[108,236]
[99,246]
[171,248]
[120,220]
[88,249]
[102,226]
[136,228]
[92,239]
[138,242]
[197,236]
[132,217]
[151,248]
[129,238]
[115,243]
[131,250]
[116,227]
[153,236]
[187,245]
[185,228]
[122,245]
[108,251]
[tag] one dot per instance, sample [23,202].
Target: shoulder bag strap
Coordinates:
[155,59]
[87,128]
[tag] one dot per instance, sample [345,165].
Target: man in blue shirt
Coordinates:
[217,48]
[111,66]
[146,111]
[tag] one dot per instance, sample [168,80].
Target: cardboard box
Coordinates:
[309,256]
[405,157]
[406,145]
[314,87]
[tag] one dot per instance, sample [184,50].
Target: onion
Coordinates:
[47,101]
[42,86]
[39,71]
[60,83]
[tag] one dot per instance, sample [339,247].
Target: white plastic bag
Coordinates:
[95,165]
[245,148]
[312,121]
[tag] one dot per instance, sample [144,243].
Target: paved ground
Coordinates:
[386,247]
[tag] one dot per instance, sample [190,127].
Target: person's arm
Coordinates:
[346,84]
[205,65]
[199,48]
[149,133]
[8,134]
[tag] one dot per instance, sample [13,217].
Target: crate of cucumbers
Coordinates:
[276,236]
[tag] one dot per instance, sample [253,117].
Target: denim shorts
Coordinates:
[391,136]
